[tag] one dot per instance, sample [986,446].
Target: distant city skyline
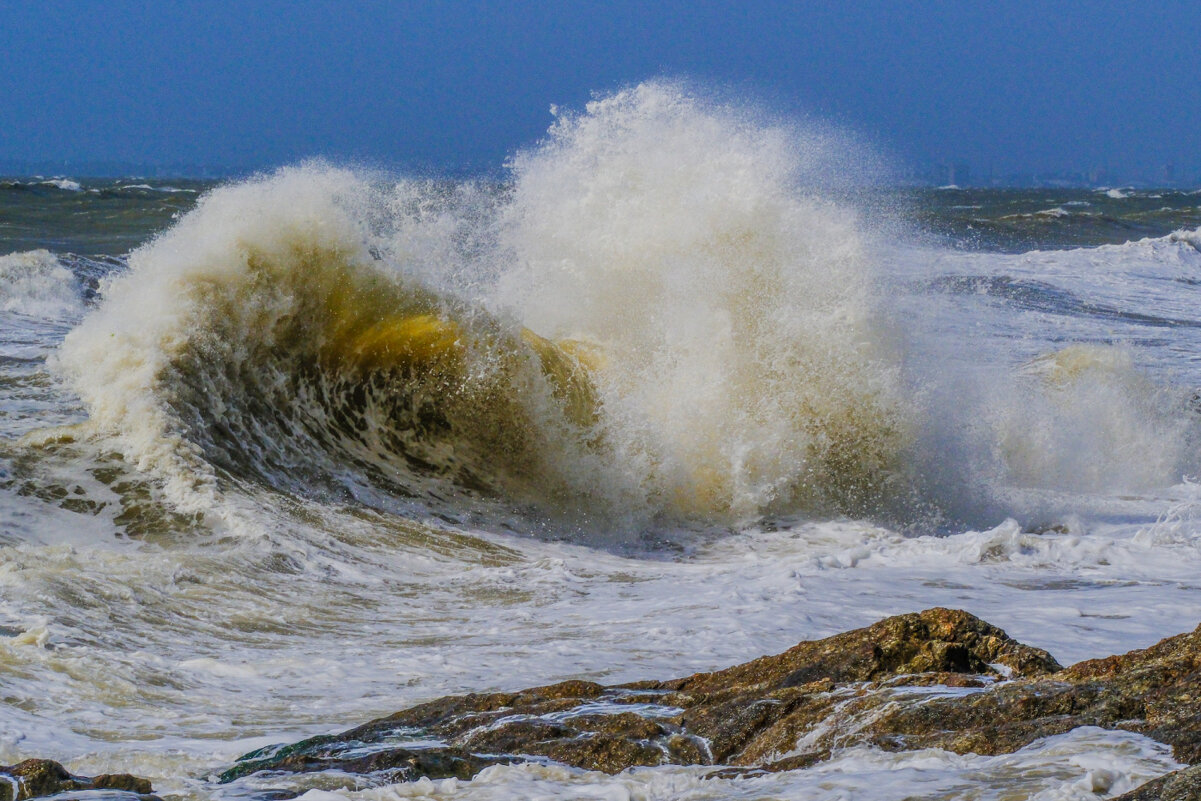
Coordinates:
[1004,87]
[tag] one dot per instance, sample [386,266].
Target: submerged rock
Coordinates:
[35,778]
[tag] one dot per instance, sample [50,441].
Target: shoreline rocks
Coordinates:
[941,678]
[777,712]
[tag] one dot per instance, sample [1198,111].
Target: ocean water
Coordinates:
[685,385]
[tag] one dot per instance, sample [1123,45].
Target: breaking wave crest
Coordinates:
[660,317]
[34,282]
[656,321]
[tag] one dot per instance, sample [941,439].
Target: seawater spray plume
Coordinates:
[653,322]
[660,319]
[1094,422]
[1019,425]
[743,372]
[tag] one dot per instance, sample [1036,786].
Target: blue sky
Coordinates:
[1018,86]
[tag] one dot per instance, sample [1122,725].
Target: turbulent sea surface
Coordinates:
[677,390]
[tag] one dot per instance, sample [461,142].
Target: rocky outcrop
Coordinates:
[35,778]
[742,716]
[935,679]
[1152,691]
[939,678]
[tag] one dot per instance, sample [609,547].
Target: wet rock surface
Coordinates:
[940,678]
[35,778]
[740,716]
[1180,785]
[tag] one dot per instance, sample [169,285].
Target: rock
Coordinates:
[744,715]
[1151,691]
[935,679]
[1181,785]
[518,736]
[754,711]
[604,752]
[122,781]
[937,640]
[35,778]
[391,764]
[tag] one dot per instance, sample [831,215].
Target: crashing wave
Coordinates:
[35,283]
[661,316]
[657,322]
